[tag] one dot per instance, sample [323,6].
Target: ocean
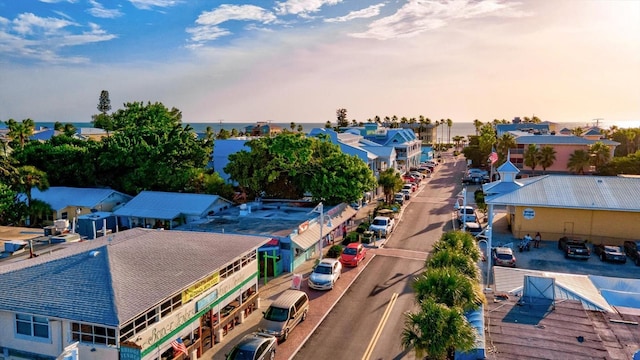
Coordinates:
[457,129]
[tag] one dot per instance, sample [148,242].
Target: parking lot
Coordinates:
[549,258]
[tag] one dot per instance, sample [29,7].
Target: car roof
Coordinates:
[253,341]
[354,245]
[503,250]
[328,261]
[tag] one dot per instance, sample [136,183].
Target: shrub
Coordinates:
[362,227]
[334,252]
[350,238]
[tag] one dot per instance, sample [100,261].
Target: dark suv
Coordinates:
[574,248]
[632,248]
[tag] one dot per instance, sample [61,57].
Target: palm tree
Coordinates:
[457,140]
[477,124]
[460,241]
[600,154]
[292,126]
[546,157]
[449,125]
[449,286]
[391,183]
[578,160]
[503,144]
[20,132]
[453,331]
[69,129]
[577,131]
[327,125]
[450,257]
[531,157]
[300,128]
[29,177]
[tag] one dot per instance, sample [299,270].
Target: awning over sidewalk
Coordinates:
[311,236]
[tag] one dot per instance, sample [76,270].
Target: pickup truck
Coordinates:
[382,224]
[574,248]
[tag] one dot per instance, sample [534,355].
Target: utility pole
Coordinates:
[597,120]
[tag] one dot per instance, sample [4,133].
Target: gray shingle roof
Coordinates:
[135,271]
[574,191]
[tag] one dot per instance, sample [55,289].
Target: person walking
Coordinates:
[536,240]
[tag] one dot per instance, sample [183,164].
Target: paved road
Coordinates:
[367,322]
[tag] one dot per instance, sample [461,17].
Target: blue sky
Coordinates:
[300,60]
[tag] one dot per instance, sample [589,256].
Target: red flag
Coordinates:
[493,157]
[179,346]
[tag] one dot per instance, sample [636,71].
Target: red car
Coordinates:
[353,254]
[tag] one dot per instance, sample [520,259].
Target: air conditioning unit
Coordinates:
[61,224]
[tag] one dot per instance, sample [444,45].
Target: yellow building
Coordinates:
[601,209]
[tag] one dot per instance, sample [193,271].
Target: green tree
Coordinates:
[151,150]
[103,120]
[289,165]
[436,330]
[532,157]
[12,211]
[503,144]
[578,160]
[477,124]
[448,285]
[446,257]
[577,131]
[104,103]
[29,177]
[449,125]
[391,183]
[20,132]
[600,154]
[629,165]
[546,157]
[459,241]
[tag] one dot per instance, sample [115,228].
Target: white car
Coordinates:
[467,214]
[325,274]
[382,224]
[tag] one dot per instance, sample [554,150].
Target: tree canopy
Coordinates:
[291,165]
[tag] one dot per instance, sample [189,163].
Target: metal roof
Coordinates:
[59,197]
[575,191]
[311,236]
[110,282]
[168,205]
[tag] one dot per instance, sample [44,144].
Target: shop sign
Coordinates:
[200,287]
[303,227]
[206,300]
[129,352]
[528,213]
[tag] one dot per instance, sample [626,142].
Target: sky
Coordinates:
[301,60]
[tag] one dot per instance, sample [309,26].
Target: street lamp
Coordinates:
[463,195]
[488,254]
[320,209]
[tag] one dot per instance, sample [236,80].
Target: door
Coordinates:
[568,228]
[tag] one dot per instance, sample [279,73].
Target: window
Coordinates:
[32,326]
[92,334]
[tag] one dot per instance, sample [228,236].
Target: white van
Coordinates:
[287,311]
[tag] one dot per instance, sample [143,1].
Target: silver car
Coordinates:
[325,274]
[255,346]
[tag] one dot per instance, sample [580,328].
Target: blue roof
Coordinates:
[168,205]
[59,197]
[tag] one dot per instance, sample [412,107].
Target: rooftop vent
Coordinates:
[94,253]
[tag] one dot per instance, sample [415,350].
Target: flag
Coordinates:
[178,346]
[493,157]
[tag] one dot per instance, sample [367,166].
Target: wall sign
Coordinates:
[528,213]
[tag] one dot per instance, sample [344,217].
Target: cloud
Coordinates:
[302,7]
[371,11]
[207,28]
[418,16]
[98,10]
[148,4]
[29,24]
[38,38]
[58,1]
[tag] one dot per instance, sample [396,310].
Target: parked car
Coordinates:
[409,186]
[288,310]
[382,224]
[353,254]
[477,171]
[399,198]
[408,178]
[418,173]
[632,248]
[407,194]
[325,274]
[254,346]
[574,247]
[467,214]
[473,227]
[503,256]
[612,253]
[475,179]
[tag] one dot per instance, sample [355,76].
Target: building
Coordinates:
[71,202]
[568,205]
[157,209]
[128,296]
[262,129]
